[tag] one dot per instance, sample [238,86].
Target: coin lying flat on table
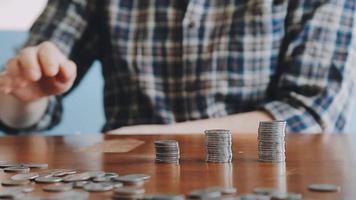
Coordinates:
[128,193]
[98,187]
[5,164]
[163,197]
[77,177]
[17,169]
[64,172]
[224,190]
[80,184]
[204,194]
[132,179]
[58,187]
[264,191]
[25,176]
[322,187]
[71,195]
[10,182]
[36,165]
[48,179]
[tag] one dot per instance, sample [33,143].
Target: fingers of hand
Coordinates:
[29,65]
[49,58]
[68,71]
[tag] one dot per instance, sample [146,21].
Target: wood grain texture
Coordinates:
[310,159]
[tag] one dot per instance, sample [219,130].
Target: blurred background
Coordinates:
[83,109]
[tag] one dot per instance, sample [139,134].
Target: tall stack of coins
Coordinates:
[271,141]
[218,146]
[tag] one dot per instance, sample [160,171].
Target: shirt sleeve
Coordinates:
[313,86]
[67,24]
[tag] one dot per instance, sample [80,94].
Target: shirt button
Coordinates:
[191,24]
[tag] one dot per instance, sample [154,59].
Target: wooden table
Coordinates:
[310,159]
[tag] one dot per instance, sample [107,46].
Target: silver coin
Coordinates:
[58,187]
[204,194]
[5,165]
[36,165]
[102,179]
[94,174]
[64,172]
[224,190]
[294,196]
[10,182]
[77,177]
[254,197]
[80,184]
[98,187]
[163,197]
[17,169]
[71,195]
[129,190]
[48,179]
[132,178]
[324,187]
[25,176]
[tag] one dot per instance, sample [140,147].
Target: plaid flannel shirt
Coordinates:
[165,62]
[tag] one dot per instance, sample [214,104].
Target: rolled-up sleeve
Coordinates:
[313,86]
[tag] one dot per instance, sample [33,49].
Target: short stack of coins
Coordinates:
[167,151]
[218,146]
[271,141]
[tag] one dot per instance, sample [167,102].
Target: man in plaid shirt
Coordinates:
[184,66]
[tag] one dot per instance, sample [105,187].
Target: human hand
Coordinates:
[37,72]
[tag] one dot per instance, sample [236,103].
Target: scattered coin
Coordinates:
[294,196]
[98,187]
[102,179]
[132,179]
[167,151]
[94,174]
[128,193]
[17,169]
[163,197]
[204,194]
[218,146]
[5,165]
[10,182]
[264,191]
[36,165]
[25,176]
[254,197]
[77,177]
[80,184]
[64,172]
[224,190]
[58,187]
[111,174]
[50,179]
[322,187]
[71,195]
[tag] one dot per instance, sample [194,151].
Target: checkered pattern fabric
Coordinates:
[173,61]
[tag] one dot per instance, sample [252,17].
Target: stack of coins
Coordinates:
[271,143]
[218,146]
[167,151]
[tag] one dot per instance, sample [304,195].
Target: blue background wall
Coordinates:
[83,108]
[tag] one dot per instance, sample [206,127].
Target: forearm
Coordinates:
[237,123]
[18,114]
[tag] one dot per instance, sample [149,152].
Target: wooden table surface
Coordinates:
[310,159]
